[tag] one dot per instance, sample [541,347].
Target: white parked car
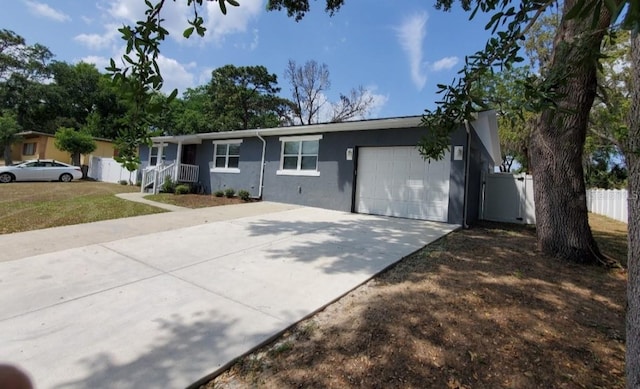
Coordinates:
[40,170]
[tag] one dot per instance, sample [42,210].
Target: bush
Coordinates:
[244,195]
[229,192]
[123,182]
[168,186]
[218,193]
[183,189]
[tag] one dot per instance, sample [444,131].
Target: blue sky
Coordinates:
[397,50]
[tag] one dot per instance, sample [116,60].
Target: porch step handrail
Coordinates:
[155,176]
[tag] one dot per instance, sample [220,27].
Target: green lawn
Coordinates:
[26,206]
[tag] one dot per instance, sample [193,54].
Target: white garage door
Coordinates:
[396,181]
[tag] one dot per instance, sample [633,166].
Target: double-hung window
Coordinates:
[299,155]
[226,156]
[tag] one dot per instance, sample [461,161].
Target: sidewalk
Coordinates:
[26,244]
[138,197]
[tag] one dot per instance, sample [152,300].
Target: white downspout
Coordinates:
[466,176]
[264,147]
[176,166]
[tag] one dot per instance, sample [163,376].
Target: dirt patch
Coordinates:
[477,309]
[194,200]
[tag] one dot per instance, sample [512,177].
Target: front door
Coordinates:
[188,154]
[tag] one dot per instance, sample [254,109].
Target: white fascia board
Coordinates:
[375,124]
[184,139]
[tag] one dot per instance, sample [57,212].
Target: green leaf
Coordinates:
[233,3]
[172,96]
[187,33]
[223,7]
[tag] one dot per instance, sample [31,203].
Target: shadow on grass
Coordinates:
[611,236]
[479,308]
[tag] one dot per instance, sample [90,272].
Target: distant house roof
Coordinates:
[33,134]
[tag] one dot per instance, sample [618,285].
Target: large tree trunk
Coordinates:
[558,140]
[632,154]
[6,151]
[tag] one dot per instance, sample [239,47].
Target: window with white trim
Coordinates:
[299,155]
[226,156]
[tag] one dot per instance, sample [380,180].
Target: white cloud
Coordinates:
[411,34]
[176,14]
[176,75]
[127,10]
[378,101]
[250,46]
[236,20]
[445,63]
[45,11]
[100,41]
[205,75]
[100,62]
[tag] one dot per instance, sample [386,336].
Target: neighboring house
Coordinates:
[370,166]
[40,145]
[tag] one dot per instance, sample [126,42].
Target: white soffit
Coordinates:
[486,126]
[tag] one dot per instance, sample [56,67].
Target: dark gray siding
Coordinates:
[333,189]
[249,176]
[479,163]
[456,181]
[144,155]
[204,156]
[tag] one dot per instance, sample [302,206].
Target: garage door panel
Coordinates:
[396,181]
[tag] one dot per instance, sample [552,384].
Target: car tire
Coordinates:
[66,177]
[6,178]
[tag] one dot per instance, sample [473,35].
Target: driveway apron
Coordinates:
[167,308]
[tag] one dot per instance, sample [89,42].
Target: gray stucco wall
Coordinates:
[333,189]
[249,165]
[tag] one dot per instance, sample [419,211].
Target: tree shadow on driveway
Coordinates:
[353,244]
[180,354]
[477,309]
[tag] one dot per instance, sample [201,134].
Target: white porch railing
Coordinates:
[188,173]
[155,176]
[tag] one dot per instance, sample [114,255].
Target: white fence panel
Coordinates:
[109,170]
[608,202]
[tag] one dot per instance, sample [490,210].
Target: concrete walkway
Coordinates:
[138,197]
[164,309]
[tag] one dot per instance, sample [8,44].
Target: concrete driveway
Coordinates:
[162,301]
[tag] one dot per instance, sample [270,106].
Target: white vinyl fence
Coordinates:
[109,170]
[608,202]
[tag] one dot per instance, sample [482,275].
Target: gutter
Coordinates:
[264,147]
[466,176]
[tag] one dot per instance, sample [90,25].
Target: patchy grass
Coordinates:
[26,206]
[193,200]
[611,236]
[477,309]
